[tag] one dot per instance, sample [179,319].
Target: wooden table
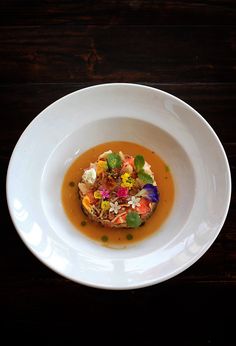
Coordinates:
[51,48]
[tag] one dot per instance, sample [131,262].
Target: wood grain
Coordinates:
[114,12]
[157,54]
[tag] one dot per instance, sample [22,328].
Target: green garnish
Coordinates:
[129,236]
[133,219]
[139,162]
[83,223]
[146,178]
[114,160]
[104,238]
[72,184]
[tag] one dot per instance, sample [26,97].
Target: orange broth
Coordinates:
[113,236]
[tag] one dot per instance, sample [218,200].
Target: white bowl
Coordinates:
[129,112]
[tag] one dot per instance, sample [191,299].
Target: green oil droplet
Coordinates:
[129,236]
[104,238]
[167,168]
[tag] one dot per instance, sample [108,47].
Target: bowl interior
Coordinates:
[136,131]
[132,113]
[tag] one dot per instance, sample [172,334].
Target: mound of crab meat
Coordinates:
[118,190]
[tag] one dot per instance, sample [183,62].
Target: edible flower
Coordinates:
[105,205]
[114,207]
[101,167]
[122,192]
[89,176]
[150,192]
[104,193]
[127,180]
[134,202]
[97,194]
[86,203]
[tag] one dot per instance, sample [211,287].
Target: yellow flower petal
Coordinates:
[101,167]
[105,205]
[127,181]
[97,194]
[86,203]
[125,176]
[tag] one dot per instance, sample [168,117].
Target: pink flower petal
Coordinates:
[122,192]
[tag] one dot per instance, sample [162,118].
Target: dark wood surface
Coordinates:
[51,48]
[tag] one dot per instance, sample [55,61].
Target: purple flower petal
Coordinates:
[150,192]
[105,193]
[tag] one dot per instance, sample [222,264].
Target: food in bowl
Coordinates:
[118,190]
[118,193]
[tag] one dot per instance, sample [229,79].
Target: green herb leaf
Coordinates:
[139,162]
[146,178]
[114,160]
[133,219]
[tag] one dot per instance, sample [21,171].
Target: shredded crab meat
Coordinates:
[118,216]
